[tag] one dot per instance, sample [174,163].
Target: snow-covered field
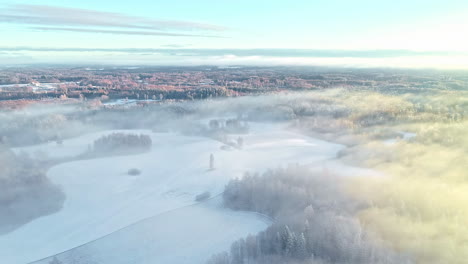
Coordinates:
[102,198]
[37,87]
[183,236]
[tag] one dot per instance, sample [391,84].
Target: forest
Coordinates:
[313,221]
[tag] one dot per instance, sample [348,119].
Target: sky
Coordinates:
[362,33]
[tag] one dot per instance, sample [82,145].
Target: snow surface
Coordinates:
[184,236]
[102,198]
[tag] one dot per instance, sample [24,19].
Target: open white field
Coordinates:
[183,236]
[102,198]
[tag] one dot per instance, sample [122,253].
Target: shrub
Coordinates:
[203,196]
[134,172]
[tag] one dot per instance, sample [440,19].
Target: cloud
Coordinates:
[252,57]
[279,53]
[121,32]
[175,46]
[60,18]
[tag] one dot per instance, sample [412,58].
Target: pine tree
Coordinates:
[287,241]
[236,255]
[251,247]
[278,245]
[291,245]
[306,233]
[301,250]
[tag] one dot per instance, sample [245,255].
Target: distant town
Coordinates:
[114,86]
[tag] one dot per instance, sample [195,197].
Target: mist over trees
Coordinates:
[25,191]
[313,222]
[41,123]
[44,124]
[308,209]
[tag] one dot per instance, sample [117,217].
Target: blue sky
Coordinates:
[29,28]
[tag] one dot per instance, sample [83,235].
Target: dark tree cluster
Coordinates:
[121,143]
[313,222]
[134,172]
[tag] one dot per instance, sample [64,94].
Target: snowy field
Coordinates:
[102,198]
[40,87]
[183,236]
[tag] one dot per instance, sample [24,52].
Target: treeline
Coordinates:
[121,143]
[314,222]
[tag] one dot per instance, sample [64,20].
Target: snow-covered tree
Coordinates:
[301,250]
